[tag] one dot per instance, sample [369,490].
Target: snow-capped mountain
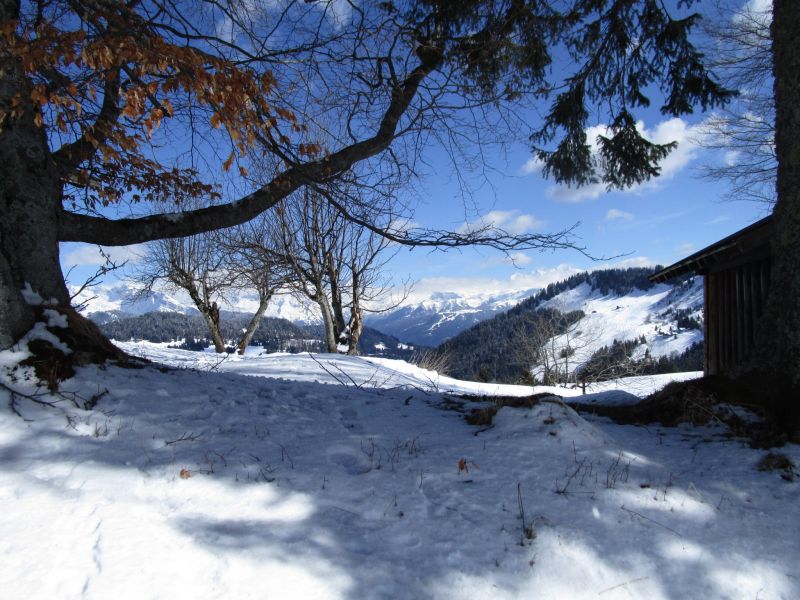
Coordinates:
[611,313]
[428,322]
[102,303]
[443,315]
[122,299]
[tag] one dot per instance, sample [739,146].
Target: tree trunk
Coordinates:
[327,322]
[778,337]
[210,312]
[30,205]
[263,302]
[356,327]
[337,304]
[212,319]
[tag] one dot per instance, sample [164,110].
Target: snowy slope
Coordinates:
[649,314]
[442,316]
[249,479]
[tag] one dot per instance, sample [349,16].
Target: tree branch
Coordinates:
[70,156]
[83,228]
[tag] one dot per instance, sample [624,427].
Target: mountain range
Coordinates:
[427,322]
[589,322]
[443,315]
[615,305]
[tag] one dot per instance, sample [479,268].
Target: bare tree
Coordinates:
[256,265]
[532,339]
[613,362]
[366,254]
[554,344]
[211,266]
[336,263]
[310,239]
[740,52]
[195,265]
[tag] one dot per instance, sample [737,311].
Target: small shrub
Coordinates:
[431,360]
[776,461]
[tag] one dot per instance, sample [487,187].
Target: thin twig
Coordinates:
[311,356]
[36,398]
[185,437]
[215,366]
[622,584]
[528,531]
[633,512]
[343,372]
[329,372]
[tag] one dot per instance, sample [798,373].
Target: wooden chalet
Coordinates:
[737,277]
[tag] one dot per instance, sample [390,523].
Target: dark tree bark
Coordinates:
[334,267]
[210,312]
[30,205]
[356,325]
[778,339]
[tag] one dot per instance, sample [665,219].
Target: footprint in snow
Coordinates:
[348,417]
[352,463]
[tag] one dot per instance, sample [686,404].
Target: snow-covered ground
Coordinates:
[338,477]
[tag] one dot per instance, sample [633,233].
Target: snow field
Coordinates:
[251,479]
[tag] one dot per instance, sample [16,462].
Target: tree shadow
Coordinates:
[316,486]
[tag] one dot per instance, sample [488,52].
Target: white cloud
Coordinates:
[510,221]
[466,286]
[541,277]
[686,248]
[671,130]
[633,261]
[653,221]
[531,166]
[477,289]
[403,225]
[340,12]
[565,193]
[88,255]
[757,7]
[518,259]
[337,12]
[731,157]
[614,214]
[482,287]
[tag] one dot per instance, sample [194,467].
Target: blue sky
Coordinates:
[660,221]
